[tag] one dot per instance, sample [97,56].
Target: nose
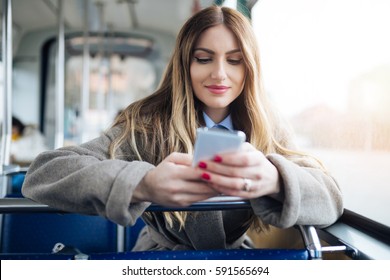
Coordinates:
[219,71]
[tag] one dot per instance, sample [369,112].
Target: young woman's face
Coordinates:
[217,71]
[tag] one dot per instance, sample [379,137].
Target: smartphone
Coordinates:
[210,142]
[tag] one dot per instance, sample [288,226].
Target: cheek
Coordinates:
[194,79]
[239,77]
[195,74]
[197,77]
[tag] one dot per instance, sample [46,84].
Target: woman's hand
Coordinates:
[246,173]
[174,182]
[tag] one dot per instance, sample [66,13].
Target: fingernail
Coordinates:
[202,164]
[206,176]
[217,159]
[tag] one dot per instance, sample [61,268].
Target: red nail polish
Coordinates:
[206,176]
[217,159]
[202,164]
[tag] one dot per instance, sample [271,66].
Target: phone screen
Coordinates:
[210,142]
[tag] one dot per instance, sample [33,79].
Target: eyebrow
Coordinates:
[212,52]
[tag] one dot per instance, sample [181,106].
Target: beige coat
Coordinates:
[83,179]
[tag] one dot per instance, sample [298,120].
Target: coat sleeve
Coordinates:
[309,196]
[83,179]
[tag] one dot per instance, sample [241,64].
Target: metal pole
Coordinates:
[102,72]
[86,73]
[110,90]
[6,130]
[120,237]
[60,88]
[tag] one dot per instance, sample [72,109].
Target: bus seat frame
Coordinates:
[308,232]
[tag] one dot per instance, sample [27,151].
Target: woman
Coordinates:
[212,78]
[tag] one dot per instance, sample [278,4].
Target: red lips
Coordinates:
[217,89]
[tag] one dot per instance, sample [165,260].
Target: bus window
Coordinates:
[114,83]
[120,72]
[326,65]
[1,90]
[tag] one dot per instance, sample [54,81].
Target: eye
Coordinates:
[202,60]
[234,61]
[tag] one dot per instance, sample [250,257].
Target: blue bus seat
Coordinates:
[131,234]
[227,254]
[311,249]
[36,256]
[38,233]
[17,182]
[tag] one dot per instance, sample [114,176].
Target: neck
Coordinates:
[217,115]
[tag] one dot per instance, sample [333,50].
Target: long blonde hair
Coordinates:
[166,121]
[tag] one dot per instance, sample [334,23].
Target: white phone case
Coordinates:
[210,142]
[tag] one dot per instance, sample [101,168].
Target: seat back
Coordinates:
[232,254]
[132,233]
[40,232]
[90,252]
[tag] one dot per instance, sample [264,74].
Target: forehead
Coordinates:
[218,38]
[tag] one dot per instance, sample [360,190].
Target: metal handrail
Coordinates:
[313,244]
[12,169]
[24,205]
[312,241]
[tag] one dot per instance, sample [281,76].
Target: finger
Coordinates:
[221,169]
[231,170]
[246,146]
[253,192]
[240,159]
[183,179]
[198,188]
[187,173]
[219,181]
[180,158]
[192,192]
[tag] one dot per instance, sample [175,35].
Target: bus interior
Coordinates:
[69,67]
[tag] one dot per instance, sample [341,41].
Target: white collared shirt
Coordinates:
[227,122]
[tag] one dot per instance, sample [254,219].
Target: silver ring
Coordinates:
[247,184]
